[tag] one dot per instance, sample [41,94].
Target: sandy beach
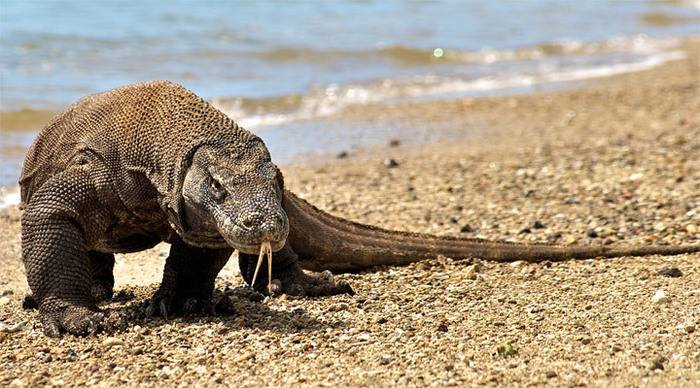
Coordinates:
[610,161]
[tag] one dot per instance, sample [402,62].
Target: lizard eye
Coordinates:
[217,190]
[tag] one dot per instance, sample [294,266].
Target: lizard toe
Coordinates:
[225,306]
[75,320]
[51,328]
[189,306]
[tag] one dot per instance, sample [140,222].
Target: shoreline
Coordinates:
[281,130]
[614,161]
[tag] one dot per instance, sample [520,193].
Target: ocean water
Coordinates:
[274,66]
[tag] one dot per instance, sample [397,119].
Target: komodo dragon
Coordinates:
[123,170]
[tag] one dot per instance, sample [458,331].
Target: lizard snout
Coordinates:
[251,229]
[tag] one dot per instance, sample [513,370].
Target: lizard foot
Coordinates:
[166,307]
[76,320]
[294,281]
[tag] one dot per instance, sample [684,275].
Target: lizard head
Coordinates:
[237,195]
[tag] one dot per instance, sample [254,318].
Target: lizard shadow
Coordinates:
[245,310]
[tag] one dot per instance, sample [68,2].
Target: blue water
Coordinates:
[54,52]
[271,63]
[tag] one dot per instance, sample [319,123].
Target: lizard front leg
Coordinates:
[292,279]
[59,223]
[188,280]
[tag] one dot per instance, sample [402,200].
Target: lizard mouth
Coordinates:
[253,249]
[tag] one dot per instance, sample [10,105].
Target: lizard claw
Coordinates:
[157,307]
[164,307]
[296,282]
[52,328]
[75,320]
[189,306]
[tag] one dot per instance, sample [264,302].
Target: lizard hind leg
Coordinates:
[102,273]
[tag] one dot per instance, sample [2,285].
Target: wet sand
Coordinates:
[613,161]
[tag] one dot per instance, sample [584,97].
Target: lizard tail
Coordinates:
[326,242]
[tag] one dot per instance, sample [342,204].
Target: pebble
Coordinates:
[21,326]
[112,341]
[688,327]
[506,349]
[658,363]
[466,229]
[4,301]
[338,307]
[471,272]
[691,229]
[671,271]
[660,297]
[390,163]
[245,357]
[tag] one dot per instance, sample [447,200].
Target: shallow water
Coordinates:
[275,66]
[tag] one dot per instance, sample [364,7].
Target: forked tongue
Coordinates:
[265,249]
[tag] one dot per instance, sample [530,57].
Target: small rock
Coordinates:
[390,163]
[671,271]
[256,296]
[550,374]
[506,349]
[342,155]
[660,227]
[691,229]
[525,231]
[466,229]
[442,327]
[4,301]
[615,348]
[571,240]
[394,143]
[658,363]
[592,233]
[245,357]
[18,383]
[538,225]
[689,327]
[384,359]
[338,307]
[21,326]
[471,272]
[112,341]
[136,351]
[660,297]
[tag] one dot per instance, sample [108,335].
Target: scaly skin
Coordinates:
[123,170]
